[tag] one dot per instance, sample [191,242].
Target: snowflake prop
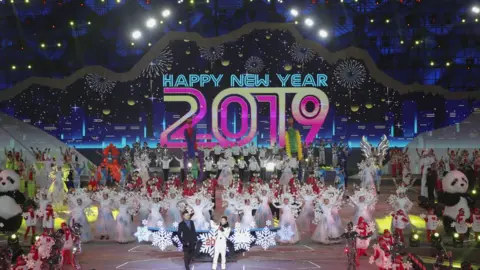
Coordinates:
[286,233]
[175,225]
[143,234]
[242,239]
[208,242]
[350,74]
[301,54]
[265,238]
[212,53]
[159,65]
[162,239]
[268,223]
[407,265]
[254,64]
[99,84]
[177,241]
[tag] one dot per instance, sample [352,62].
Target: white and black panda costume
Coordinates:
[11,201]
[455,197]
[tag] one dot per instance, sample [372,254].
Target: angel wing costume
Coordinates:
[376,155]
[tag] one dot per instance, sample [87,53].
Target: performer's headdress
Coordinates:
[156,195]
[401,190]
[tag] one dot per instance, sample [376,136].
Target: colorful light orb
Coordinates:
[225,63]
[287,67]
[106,111]
[131,102]
[354,107]
[368,105]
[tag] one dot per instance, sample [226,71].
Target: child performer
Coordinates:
[173,198]
[127,207]
[289,207]
[68,242]
[475,222]
[156,205]
[307,214]
[363,240]
[30,221]
[230,202]
[199,204]
[31,183]
[263,213]
[364,201]
[247,205]
[329,226]
[381,256]
[79,201]
[221,242]
[432,223]
[400,222]
[401,202]
[48,219]
[105,221]
[460,225]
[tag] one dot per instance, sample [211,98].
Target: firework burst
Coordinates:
[254,64]
[99,84]
[159,65]
[212,53]
[301,54]
[350,74]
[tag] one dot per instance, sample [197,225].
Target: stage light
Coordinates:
[387,20]
[166,13]
[414,240]
[119,1]
[296,22]
[308,22]
[14,67]
[132,44]
[27,1]
[29,67]
[59,44]
[372,20]
[476,20]
[179,22]
[13,236]
[417,42]
[475,9]
[432,63]
[457,240]
[72,23]
[136,34]
[474,192]
[42,45]
[447,64]
[189,164]
[89,23]
[463,20]
[149,44]
[294,12]
[151,23]
[323,33]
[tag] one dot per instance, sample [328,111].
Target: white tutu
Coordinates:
[226,177]
[286,176]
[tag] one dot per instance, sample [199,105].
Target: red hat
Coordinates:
[386,231]
[63,224]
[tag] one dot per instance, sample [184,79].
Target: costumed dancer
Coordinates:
[173,199]
[475,222]
[143,163]
[31,183]
[123,176]
[287,174]
[340,177]
[329,226]
[78,174]
[307,214]
[400,201]
[263,165]
[144,206]
[289,207]
[223,232]
[431,221]
[30,221]
[166,160]
[246,205]
[34,259]
[21,263]
[376,155]
[230,202]
[381,256]
[226,176]
[79,201]
[367,173]
[253,166]
[48,219]
[334,147]
[321,152]
[105,221]
[127,208]
[42,199]
[155,218]
[190,134]
[69,240]
[199,204]
[400,222]
[365,231]
[460,224]
[154,184]
[364,201]
[263,213]
[293,142]
[58,188]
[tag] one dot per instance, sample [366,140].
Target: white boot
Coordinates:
[224,266]
[214,266]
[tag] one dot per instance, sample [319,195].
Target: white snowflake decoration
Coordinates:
[242,239]
[145,222]
[162,239]
[254,64]
[160,224]
[143,234]
[159,65]
[208,242]
[301,54]
[175,225]
[265,238]
[372,227]
[350,74]
[253,225]
[286,233]
[30,264]
[407,265]
[212,53]
[268,223]
[99,84]
[177,241]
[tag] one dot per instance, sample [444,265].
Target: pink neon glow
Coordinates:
[202,111]
[303,106]
[223,117]
[272,100]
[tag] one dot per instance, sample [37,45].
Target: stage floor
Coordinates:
[106,255]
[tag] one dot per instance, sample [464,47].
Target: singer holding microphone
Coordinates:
[221,242]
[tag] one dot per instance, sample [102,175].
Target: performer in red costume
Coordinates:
[237,184]
[21,263]
[30,221]
[400,222]
[154,184]
[362,241]
[461,226]
[381,256]
[475,222]
[191,138]
[387,237]
[68,243]
[48,219]
[111,155]
[432,223]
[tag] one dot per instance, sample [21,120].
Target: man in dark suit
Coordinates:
[188,237]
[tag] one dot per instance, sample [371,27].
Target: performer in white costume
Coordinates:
[223,232]
[329,226]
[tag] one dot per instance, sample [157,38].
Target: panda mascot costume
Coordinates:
[11,201]
[454,197]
